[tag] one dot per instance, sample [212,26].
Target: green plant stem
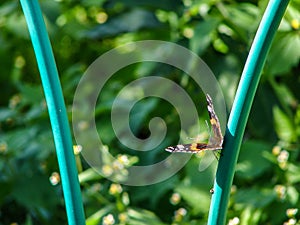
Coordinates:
[241,108]
[57,111]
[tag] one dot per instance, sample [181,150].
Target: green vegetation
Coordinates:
[267,182]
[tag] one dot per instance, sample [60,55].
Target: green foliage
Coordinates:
[267,182]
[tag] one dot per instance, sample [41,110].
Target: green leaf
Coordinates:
[250,215]
[34,192]
[255,197]
[165,5]
[17,25]
[293,173]
[160,190]
[89,175]
[198,200]
[293,195]
[6,113]
[203,35]
[140,217]
[297,121]
[284,53]
[95,218]
[29,220]
[284,126]
[31,94]
[243,18]
[251,163]
[126,22]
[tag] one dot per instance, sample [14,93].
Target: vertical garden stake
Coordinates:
[241,108]
[57,111]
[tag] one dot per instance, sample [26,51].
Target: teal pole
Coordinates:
[57,111]
[241,108]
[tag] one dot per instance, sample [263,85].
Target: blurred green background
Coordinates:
[267,182]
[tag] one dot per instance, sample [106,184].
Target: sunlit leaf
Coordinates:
[284,53]
[194,196]
[284,125]
[252,162]
[203,35]
[125,23]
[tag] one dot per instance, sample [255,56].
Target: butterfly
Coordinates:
[214,143]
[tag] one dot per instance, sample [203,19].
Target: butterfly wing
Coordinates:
[217,138]
[188,148]
[207,159]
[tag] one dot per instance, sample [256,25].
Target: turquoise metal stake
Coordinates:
[57,111]
[241,108]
